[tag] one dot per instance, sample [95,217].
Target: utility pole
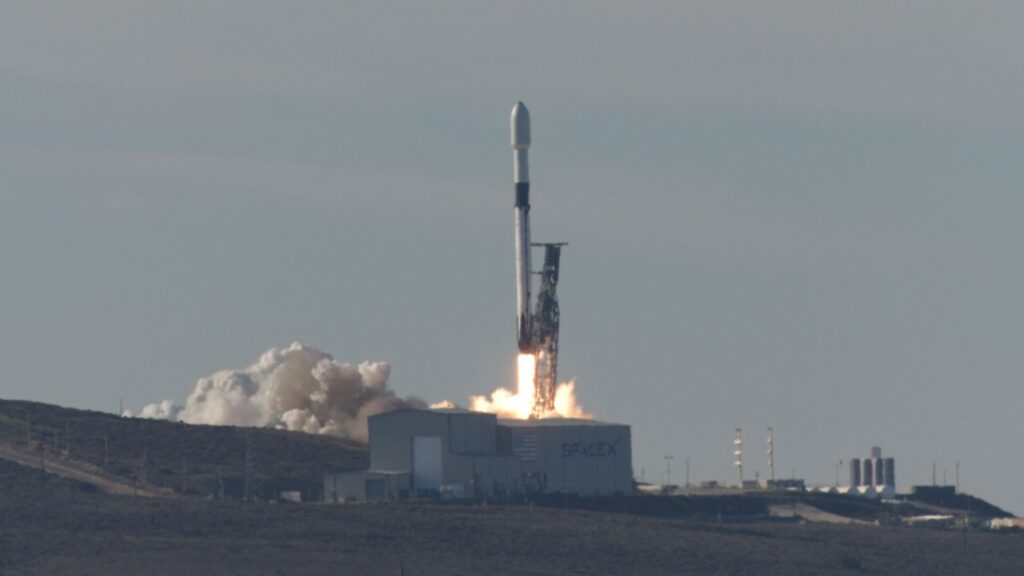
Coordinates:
[738,454]
[142,470]
[247,465]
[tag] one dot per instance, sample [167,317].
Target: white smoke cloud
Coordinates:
[163,411]
[295,388]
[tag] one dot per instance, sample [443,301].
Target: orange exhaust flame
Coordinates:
[519,405]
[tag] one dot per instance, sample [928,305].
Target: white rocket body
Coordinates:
[520,124]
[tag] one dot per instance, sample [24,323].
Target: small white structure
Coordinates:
[1006,523]
[934,520]
[876,492]
[366,485]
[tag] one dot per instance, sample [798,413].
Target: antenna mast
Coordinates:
[738,453]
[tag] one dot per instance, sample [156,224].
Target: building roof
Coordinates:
[552,422]
[510,422]
[455,410]
[434,411]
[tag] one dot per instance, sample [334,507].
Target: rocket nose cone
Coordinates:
[520,126]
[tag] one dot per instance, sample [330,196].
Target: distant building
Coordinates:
[291,496]
[872,477]
[786,484]
[933,520]
[458,453]
[929,491]
[1006,524]
[876,472]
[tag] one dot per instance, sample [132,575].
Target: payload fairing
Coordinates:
[536,332]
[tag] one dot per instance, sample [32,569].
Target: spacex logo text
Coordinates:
[590,449]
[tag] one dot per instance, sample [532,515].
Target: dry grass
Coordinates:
[51,526]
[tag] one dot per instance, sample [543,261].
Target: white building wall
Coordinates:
[585,459]
[486,457]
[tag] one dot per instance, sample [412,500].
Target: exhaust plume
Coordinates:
[520,404]
[507,404]
[293,388]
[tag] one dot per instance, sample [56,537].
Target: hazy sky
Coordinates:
[797,214]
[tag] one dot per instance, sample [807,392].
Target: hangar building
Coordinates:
[420,453]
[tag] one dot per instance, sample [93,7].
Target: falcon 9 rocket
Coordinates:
[537,331]
[521,146]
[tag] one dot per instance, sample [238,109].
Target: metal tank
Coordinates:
[854,472]
[890,472]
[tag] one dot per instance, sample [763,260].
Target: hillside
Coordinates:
[53,526]
[72,517]
[196,460]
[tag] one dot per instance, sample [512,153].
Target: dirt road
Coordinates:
[82,472]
